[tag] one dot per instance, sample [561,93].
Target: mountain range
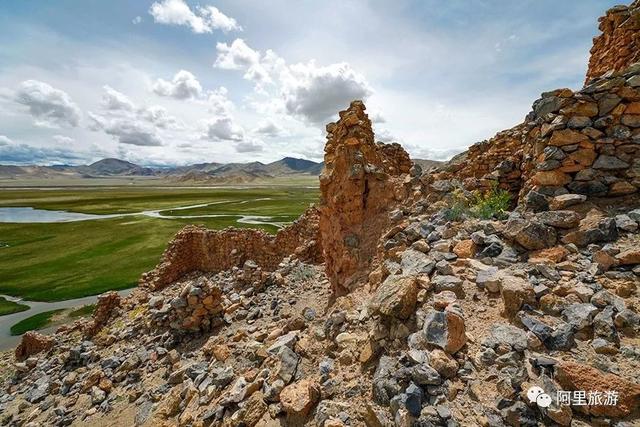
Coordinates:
[196,173]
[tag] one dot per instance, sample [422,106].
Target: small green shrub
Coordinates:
[493,203]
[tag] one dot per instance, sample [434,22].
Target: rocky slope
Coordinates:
[381,307]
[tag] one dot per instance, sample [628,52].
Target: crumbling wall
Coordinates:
[199,249]
[619,44]
[362,181]
[585,142]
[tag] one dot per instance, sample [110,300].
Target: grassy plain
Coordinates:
[10,307]
[35,322]
[59,261]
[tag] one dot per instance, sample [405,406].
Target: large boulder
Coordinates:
[594,228]
[298,399]
[396,297]
[530,234]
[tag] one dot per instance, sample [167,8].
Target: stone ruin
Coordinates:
[199,249]
[362,181]
[619,44]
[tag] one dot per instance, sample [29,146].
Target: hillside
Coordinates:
[502,289]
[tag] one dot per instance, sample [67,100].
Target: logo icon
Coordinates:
[537,395]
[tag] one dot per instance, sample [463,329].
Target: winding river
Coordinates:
[8,341]
[33,215]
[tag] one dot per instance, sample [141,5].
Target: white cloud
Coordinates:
[136,20]
[160,117]
[269,127]
[61,139]
[133,133]
[224,128]
[5,140]
[218,102]
[184,85]
[203,20]
[239,56]
[305,90]
[318,93]
[249,146]
[48,106]
[114,100]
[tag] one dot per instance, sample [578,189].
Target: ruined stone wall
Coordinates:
[619,44]
[361,183]
[199,249]
[585,142]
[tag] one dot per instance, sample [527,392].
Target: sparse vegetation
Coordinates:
[491,204]
[84,311]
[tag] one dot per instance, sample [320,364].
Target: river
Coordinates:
[8,341]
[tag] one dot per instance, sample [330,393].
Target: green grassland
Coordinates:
[10,307]
[35,322]
[59,261]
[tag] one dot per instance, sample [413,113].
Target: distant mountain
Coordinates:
[115,167]
[214,173]
[428,164]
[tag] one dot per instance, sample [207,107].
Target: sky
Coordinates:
[175,82]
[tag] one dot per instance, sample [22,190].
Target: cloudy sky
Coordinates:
[180,81]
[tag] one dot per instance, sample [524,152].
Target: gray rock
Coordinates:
[447,283]
[603,325]
[489,279]
[560,219]
[565,200]
[625,223]
[414,262]
[580,316]
[511,335]
[635,215]
[425,375]
[288,364]
[287,340]
[609,163]
[39,391]
[385,387]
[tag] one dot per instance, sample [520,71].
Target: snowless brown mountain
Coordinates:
[391,303]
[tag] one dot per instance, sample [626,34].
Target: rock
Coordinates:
[465,249]
[550,255]
[384,385]
[515,292]
[594,228]
[443,363]
[629,257]
[396,297]
[576,376]
[288,364]
[287,340]
[39,390]
[445,329]
[566,137]
[33,343]
[424,375]
[566,200]
[510,335]
[579,316]
[448,283]
[489,279]
[530,234]
[97,395]
[560,219]
[414,263]
[609,163]
[298,399]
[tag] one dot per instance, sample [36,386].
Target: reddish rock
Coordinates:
[396,297]
[549,255]
[298,399]
[465,249]
[619,44]
[576,376]
[33,343]
[360,184]
[567,137]
[199,249]
[630,257]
